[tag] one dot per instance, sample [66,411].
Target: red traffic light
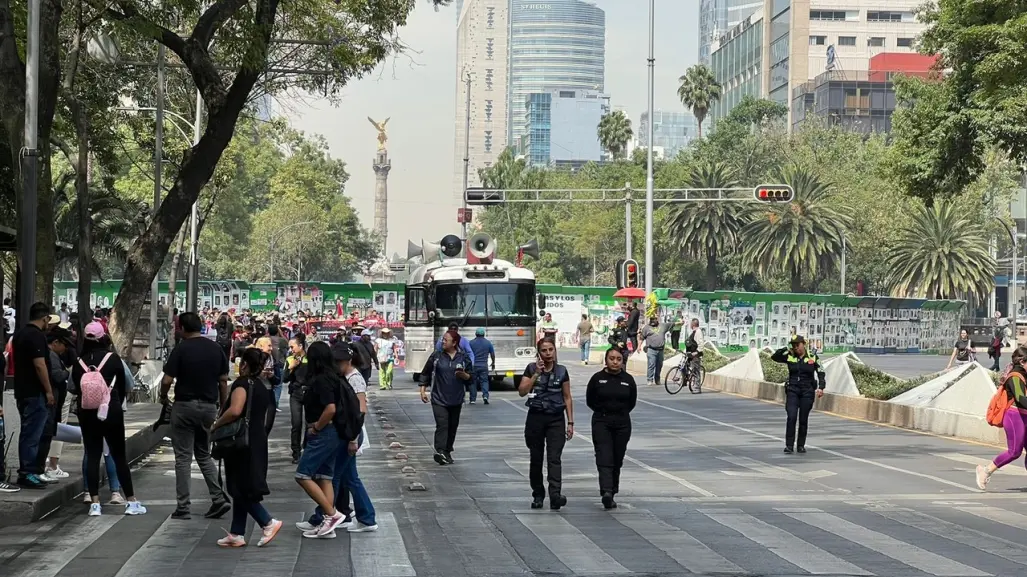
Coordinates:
[630,273]
[774,193]
[632,269]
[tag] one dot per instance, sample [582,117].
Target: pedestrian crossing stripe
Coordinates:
[680,536]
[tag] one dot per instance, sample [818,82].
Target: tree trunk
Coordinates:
[172,292]
[85,220]
[711,270]
[796,280]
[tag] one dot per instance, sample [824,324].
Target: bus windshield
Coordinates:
[485,300]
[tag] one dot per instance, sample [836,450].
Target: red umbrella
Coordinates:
[629,293]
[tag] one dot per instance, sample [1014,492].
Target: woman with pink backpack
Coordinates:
[99,380]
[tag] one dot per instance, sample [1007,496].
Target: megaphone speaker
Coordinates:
[530,248]
[413,250]
[481,249]
[431,251]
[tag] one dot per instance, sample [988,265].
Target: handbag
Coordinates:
[235,436]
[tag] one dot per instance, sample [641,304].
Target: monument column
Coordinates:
[381,165]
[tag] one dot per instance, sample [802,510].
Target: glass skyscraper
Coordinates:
[554,44]
[717,17]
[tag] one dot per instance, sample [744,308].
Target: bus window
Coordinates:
[416,308]
[456,301]
[511,300]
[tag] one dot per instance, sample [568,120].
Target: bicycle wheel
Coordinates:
[673,381]
[695,383]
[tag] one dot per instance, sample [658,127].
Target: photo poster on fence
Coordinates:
[386,304]
[566,311]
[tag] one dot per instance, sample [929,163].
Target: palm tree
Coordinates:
[802,237]
[941,253]
[614,132]
[698,91]
[708,229]
[113,226]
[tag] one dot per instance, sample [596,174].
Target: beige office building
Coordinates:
[804,39]
[483,36]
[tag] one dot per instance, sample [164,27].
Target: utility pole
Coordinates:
[843,265]
[158,166]
[29,172]
[649,265]
[627,221]
[467,144]
[192,288]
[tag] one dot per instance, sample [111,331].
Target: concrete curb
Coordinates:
[930,420]
[19,510]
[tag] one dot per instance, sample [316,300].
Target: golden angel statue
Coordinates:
[382,136]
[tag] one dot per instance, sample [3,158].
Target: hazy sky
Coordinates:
[418,93]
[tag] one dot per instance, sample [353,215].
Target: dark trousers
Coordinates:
[94,433]
[675,339]
[610,435]
[50,430]
[33,412]
[296,434]
[243,509]
[798,404]
[447,420]
[633,339]
[545,434]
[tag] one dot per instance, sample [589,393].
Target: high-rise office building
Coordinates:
[482,55]
[716,17]
[561,127]
[554,45]
[672,131]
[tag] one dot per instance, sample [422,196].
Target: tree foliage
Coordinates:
[698,91]
[614,132]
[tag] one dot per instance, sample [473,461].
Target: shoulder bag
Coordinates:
[235,436]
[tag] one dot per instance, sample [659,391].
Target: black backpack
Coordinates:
[348,419]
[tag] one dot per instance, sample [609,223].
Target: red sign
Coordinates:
[463,215]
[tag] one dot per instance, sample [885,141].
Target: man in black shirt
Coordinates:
[199,369]
[32,392]
[633,314]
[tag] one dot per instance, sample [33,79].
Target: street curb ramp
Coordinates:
[20,511]
[928,419]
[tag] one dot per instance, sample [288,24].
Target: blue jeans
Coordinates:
[277,390]
[33,420]
[112,473]
[480,379]
[586,348]
[654,365]
[346,481]
[319,456]
[240,509]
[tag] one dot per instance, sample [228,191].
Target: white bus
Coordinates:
[477,292]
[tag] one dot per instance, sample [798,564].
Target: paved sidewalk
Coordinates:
[27,506]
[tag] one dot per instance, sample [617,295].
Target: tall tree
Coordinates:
[799,238]
[707,230]
[350,39]
[614,132]
[946,124]
[942,254]
[698,91]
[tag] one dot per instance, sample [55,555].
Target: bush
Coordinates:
[773,372]
[875,384]
[713,362]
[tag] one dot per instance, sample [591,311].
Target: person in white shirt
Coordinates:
[385,344]
[695,343]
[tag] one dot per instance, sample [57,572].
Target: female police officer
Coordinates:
[548,388]
[805,383]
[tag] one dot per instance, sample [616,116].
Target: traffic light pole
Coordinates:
[765,193]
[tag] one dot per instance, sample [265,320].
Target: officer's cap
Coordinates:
[796,339]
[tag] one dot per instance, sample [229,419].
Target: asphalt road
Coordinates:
[706,490]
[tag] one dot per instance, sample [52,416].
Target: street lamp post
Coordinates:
[29,168]
[467,142]
[271,245]
[192,288]
[649,156]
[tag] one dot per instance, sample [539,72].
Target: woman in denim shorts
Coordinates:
[317,464]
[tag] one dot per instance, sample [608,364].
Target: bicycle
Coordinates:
[674,382]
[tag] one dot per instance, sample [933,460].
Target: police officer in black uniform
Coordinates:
[618,337]
[548,388]
[805,384]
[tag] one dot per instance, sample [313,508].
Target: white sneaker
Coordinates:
[232,541]
[57,473]
[358,527]
[331,523]
[47,478]
[135,508]
[982,477]
[348,523]
[305,526]
[87,499]
[269,532]
[117,499]
[94,510]
[313,535]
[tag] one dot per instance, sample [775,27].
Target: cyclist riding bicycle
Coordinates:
[694,346]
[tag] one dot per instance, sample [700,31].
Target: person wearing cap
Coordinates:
[618,337]
[805,384]
[483,352]
[386,346]
[96,427]
[60,341]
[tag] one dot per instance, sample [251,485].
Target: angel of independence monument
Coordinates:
[380,271]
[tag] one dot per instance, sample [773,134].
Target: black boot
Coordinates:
[789,450]
[608,502]
[557,501]
[536,502]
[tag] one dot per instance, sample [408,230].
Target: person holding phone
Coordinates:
[446,373]
[548,388]
[806,383]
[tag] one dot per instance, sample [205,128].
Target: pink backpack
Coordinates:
[94,390]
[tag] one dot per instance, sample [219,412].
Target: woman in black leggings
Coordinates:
[96,355]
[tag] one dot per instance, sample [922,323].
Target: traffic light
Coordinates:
[774,193]
[630,273]
[618,273]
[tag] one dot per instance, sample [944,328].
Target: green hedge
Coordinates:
[773,372]
[713,362]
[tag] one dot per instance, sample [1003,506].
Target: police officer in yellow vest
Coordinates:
[805,384]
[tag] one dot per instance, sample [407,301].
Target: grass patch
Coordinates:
[773,372]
